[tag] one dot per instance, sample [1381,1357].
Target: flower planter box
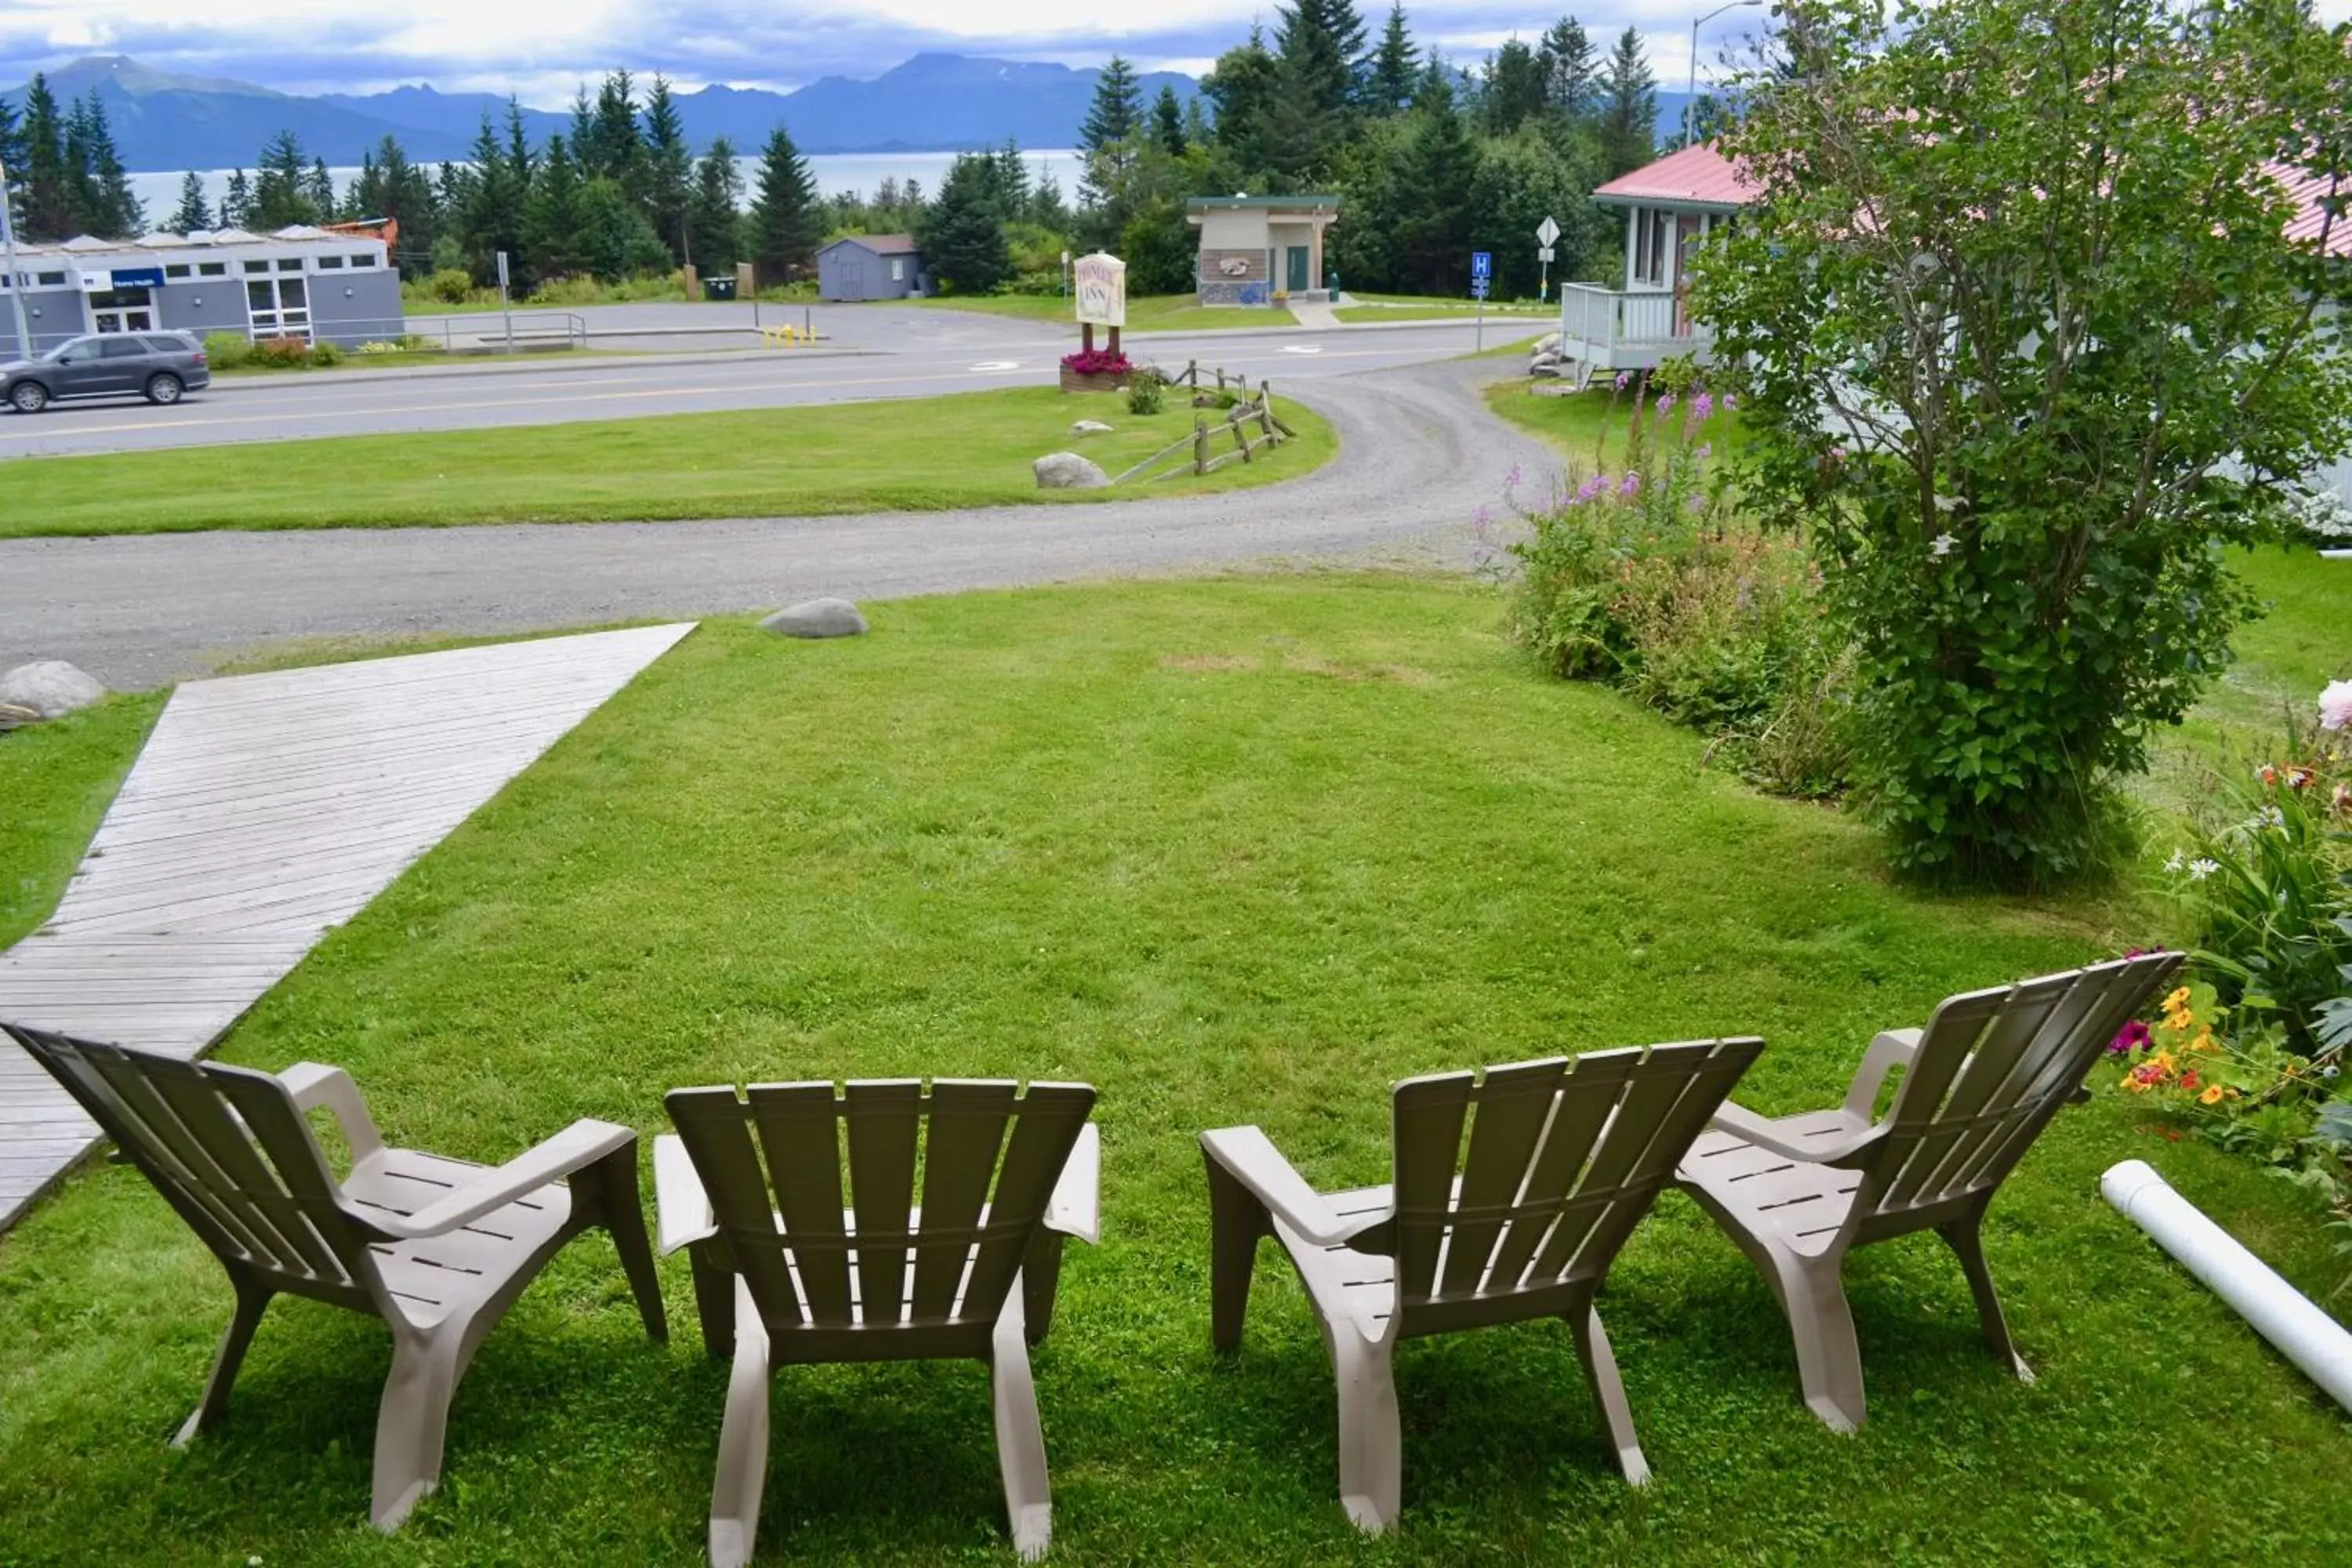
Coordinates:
[1109,382]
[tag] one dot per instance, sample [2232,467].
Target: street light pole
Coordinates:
[15,278]
[1690,88]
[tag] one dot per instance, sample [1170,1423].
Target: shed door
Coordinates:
[1686,233]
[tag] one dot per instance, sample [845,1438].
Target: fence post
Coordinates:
[1240,437]
[1199,442]
[1265,408]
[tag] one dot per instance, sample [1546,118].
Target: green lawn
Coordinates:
[927,454]
[56,779]
[1424,308]
[1587,426]
[1144,313]
[1246,850]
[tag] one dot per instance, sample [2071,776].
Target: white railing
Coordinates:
[1600,319]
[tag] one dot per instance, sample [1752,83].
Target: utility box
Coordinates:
[719,287]
[746,281]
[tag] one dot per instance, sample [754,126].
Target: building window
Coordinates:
[329,263]
[898,269]
[1652,235]
[363,261]
[50,280]
[257,267]
[177,269]
[277,307]
[290,264]
[212,269]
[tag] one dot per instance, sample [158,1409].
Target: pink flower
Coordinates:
[1731,400]
[1703,405]
[2336,705]
[1633,484]
[1620,381]
[1665,402]
[1592,486]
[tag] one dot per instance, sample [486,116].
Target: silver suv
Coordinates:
[158,366]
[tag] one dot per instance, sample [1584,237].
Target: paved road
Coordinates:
[875,352]
[1419,455]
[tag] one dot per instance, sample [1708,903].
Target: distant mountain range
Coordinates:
[933,102]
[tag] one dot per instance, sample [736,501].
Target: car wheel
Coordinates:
[164,388]
[29,396]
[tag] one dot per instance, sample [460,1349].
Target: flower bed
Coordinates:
[1096,370]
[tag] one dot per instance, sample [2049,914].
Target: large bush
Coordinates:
[2027,339]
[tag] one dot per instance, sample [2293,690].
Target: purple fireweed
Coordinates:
[1592,486]
[1620,381]
[1633,484]
[1703,405]
[1665,403]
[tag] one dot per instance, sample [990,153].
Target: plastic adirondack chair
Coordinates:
[1563,1159]
[1980,1081]
[963,1268]
[437,1248]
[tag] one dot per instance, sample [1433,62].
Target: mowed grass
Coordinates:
[1240,851]
[56,782]
[914,455]
[1144,313]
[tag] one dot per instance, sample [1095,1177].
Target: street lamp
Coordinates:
[1690,89]
[15,279]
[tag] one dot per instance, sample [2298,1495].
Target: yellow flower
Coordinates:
[2177,1001]
[2203,1042]
[2211,1096]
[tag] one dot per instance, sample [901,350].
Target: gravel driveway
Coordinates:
[1419,457]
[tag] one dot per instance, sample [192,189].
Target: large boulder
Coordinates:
[50,687]
[1085,427]
[817,618]
[1547,343]
[1068,471]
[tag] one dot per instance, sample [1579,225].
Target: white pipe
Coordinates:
[2335,554]
[2277,1311]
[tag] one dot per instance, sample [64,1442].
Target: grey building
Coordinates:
[309,283]
[871,267]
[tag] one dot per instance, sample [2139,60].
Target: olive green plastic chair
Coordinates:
[1980,1081]
[1521,1219]
[437,1248]
[947,1245]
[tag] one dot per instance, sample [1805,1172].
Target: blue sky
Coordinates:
[541,48]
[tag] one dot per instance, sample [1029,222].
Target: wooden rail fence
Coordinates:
[1195,451]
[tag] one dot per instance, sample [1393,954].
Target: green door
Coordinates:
[1298,284]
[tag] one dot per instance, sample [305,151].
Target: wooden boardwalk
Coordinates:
[265,810]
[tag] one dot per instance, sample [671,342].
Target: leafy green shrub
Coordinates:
[282,352]
[452,284]
[1649,580]
[227,351]
[2019,404]
[324,354]
[1145,393]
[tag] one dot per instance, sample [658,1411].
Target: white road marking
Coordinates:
[1302,348]
[988,367]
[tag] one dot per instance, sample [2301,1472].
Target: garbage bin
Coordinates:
[719,287]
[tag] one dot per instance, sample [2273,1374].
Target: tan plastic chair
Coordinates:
[965,1267]
[1982,1079]
[1562,1161]
[437,1248]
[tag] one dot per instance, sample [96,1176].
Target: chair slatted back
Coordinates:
[226,1147]
[1562,1160]
[946,1188]
[1992,1068]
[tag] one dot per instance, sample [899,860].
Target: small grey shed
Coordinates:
[871,267]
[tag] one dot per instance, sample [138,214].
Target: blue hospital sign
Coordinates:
[1482,266]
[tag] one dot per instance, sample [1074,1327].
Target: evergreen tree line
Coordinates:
[65,176]
[1431,161]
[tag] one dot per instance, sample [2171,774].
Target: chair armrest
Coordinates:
[314,1084]
[1247,1155]
[1748,1127]
[1894,1049]
[583,1142]
[1076,1207]
[681,1208]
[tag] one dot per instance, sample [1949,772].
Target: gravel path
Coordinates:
[1419,457]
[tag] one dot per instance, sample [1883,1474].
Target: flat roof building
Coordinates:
[1256,249]
[312,283]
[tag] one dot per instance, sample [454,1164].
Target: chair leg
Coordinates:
[1372,1436]
[1236,1221]
[1965,1237]
[413,1419]
[742,1472]
[1041,1279]
[1020,1437]
[1609,1393]
[622,1214]
[252,1300]
[1829,1355]
[714,1298]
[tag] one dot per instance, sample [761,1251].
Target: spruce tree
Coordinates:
[1629,110]
[1513,90]
[279,193]
[49,210]
[614,150]
[119,212]
[962,233]
[1167,121]
[193,214]
[12,154]
[1570,76]
[1323,43]
[237,202]
[1440,166]
[1117,108]
[489,219]
[669,171]
[1242,85]
[785,220]
[716,216]
[555,220]
[320,186]
[1390,82]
